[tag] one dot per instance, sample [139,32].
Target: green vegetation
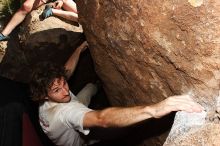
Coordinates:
[8,7]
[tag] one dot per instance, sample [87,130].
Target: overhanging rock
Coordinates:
[145,51]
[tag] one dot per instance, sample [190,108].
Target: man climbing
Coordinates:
[29,5]
[63,115]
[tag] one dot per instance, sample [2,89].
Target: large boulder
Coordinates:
[193,129]
[53,39]
[145,51]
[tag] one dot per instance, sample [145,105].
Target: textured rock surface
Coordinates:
[3,46]
[193,129]
[52,39]
[145,51]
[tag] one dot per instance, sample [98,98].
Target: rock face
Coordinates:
[193,129]
[145,51]
[52,39]
[3,46]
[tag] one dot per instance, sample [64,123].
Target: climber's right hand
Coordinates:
[175,103]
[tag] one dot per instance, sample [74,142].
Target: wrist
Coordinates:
[149,111]
[79,50]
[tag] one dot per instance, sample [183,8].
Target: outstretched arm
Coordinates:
[71,63]
[120,117]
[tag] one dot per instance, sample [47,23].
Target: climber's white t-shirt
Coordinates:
[62,121]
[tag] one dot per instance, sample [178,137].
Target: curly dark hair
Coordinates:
[43,76]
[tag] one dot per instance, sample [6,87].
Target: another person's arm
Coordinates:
[120,117]
[71,63]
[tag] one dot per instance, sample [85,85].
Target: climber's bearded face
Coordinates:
[59,91]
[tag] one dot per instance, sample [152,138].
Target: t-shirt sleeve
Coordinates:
[72,115]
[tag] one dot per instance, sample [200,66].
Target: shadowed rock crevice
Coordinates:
[19,60]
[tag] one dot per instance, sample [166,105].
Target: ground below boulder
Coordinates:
[52,39]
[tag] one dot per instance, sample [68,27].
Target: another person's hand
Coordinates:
[58,4]
[175,103]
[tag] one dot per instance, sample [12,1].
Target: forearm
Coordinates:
[120,117]
[74,58]
[71,63]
